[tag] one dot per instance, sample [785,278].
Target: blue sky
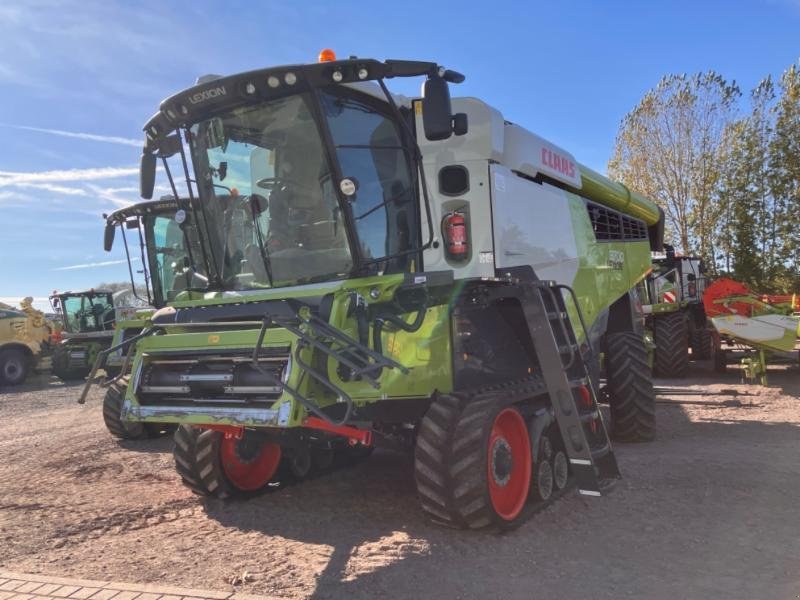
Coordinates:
[98,69]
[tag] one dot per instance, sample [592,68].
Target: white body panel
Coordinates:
[532,226]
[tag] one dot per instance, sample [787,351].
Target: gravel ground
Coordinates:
[709,510]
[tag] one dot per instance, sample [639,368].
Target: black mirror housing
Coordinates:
[108,236]
[437,111]
[147,175]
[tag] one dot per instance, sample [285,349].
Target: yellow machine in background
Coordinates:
[24,338]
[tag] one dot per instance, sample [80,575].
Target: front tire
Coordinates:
[211,463]
[112,410]
[671,333]
[14,366]
[472,462]
[702,344]
[630,388]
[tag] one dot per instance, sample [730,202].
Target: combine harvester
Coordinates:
[753,327]
[25,341]
[372,266]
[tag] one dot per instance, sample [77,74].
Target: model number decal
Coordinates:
[616,259]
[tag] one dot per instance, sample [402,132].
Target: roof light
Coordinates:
[250,88]
[337,76]
[273,81]
[362,73]
[326,55]
[290,78]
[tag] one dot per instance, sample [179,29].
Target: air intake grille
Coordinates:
[610,225]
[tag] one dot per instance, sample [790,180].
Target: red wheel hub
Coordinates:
[509,464]
[248,463]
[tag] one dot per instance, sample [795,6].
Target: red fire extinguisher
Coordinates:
[454,229]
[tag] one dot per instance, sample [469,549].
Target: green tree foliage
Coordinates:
[727,179]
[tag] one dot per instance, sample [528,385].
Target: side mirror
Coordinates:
[108,236]
[147,175]
[437,112]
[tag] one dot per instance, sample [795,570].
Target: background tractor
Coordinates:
[675,316]
[373,267]
[24,341]
[87,326]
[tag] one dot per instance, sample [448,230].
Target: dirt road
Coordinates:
[709,510]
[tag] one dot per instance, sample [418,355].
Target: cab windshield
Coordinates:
[269,194]
[268,200]
[88,313]
[174,255]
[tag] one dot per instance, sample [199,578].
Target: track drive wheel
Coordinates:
[61,368]
[472,462]
[14,366]
[630,388]
[212,463]
[671,332]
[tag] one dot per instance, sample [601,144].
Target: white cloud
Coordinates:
[105,263]
[111,139]
[56,189]
[8,178]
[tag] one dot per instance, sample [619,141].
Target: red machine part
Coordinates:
[454,228]
[726,288]
[353,434]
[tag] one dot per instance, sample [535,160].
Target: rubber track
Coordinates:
[450,453]
[671,334]
[112,407]
[196,455]
[630,388]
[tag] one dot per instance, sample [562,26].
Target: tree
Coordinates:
[784,152]
[668,148]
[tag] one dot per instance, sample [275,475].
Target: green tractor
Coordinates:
[165,250]
[675,316]
[374,267]
[87,327]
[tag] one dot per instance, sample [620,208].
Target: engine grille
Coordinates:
[221,380]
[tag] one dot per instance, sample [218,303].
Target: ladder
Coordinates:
[572,392]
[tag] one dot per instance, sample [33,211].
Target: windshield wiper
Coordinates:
[261,246]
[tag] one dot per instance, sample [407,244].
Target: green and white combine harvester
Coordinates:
[753,328]
[672,296]
[373,267]
[165,251]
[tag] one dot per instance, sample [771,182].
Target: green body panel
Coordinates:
[421,351]
[141,321]
[617,196]
[606,270]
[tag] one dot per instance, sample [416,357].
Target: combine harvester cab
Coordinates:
[675,315]
[378,267]
[753,327]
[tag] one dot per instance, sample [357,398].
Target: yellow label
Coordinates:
[213,339]
[418,108]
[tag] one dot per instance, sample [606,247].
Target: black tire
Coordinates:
[198,461]
[112,409]
[451,462]
[14,366]
[720,360]
[630,388]
[702,344]
[671,333]
[61,368]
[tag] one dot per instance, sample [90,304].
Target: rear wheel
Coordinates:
[702,343]
[671,334]
[14,366]
[212,463]
[472,462]
[630,388]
